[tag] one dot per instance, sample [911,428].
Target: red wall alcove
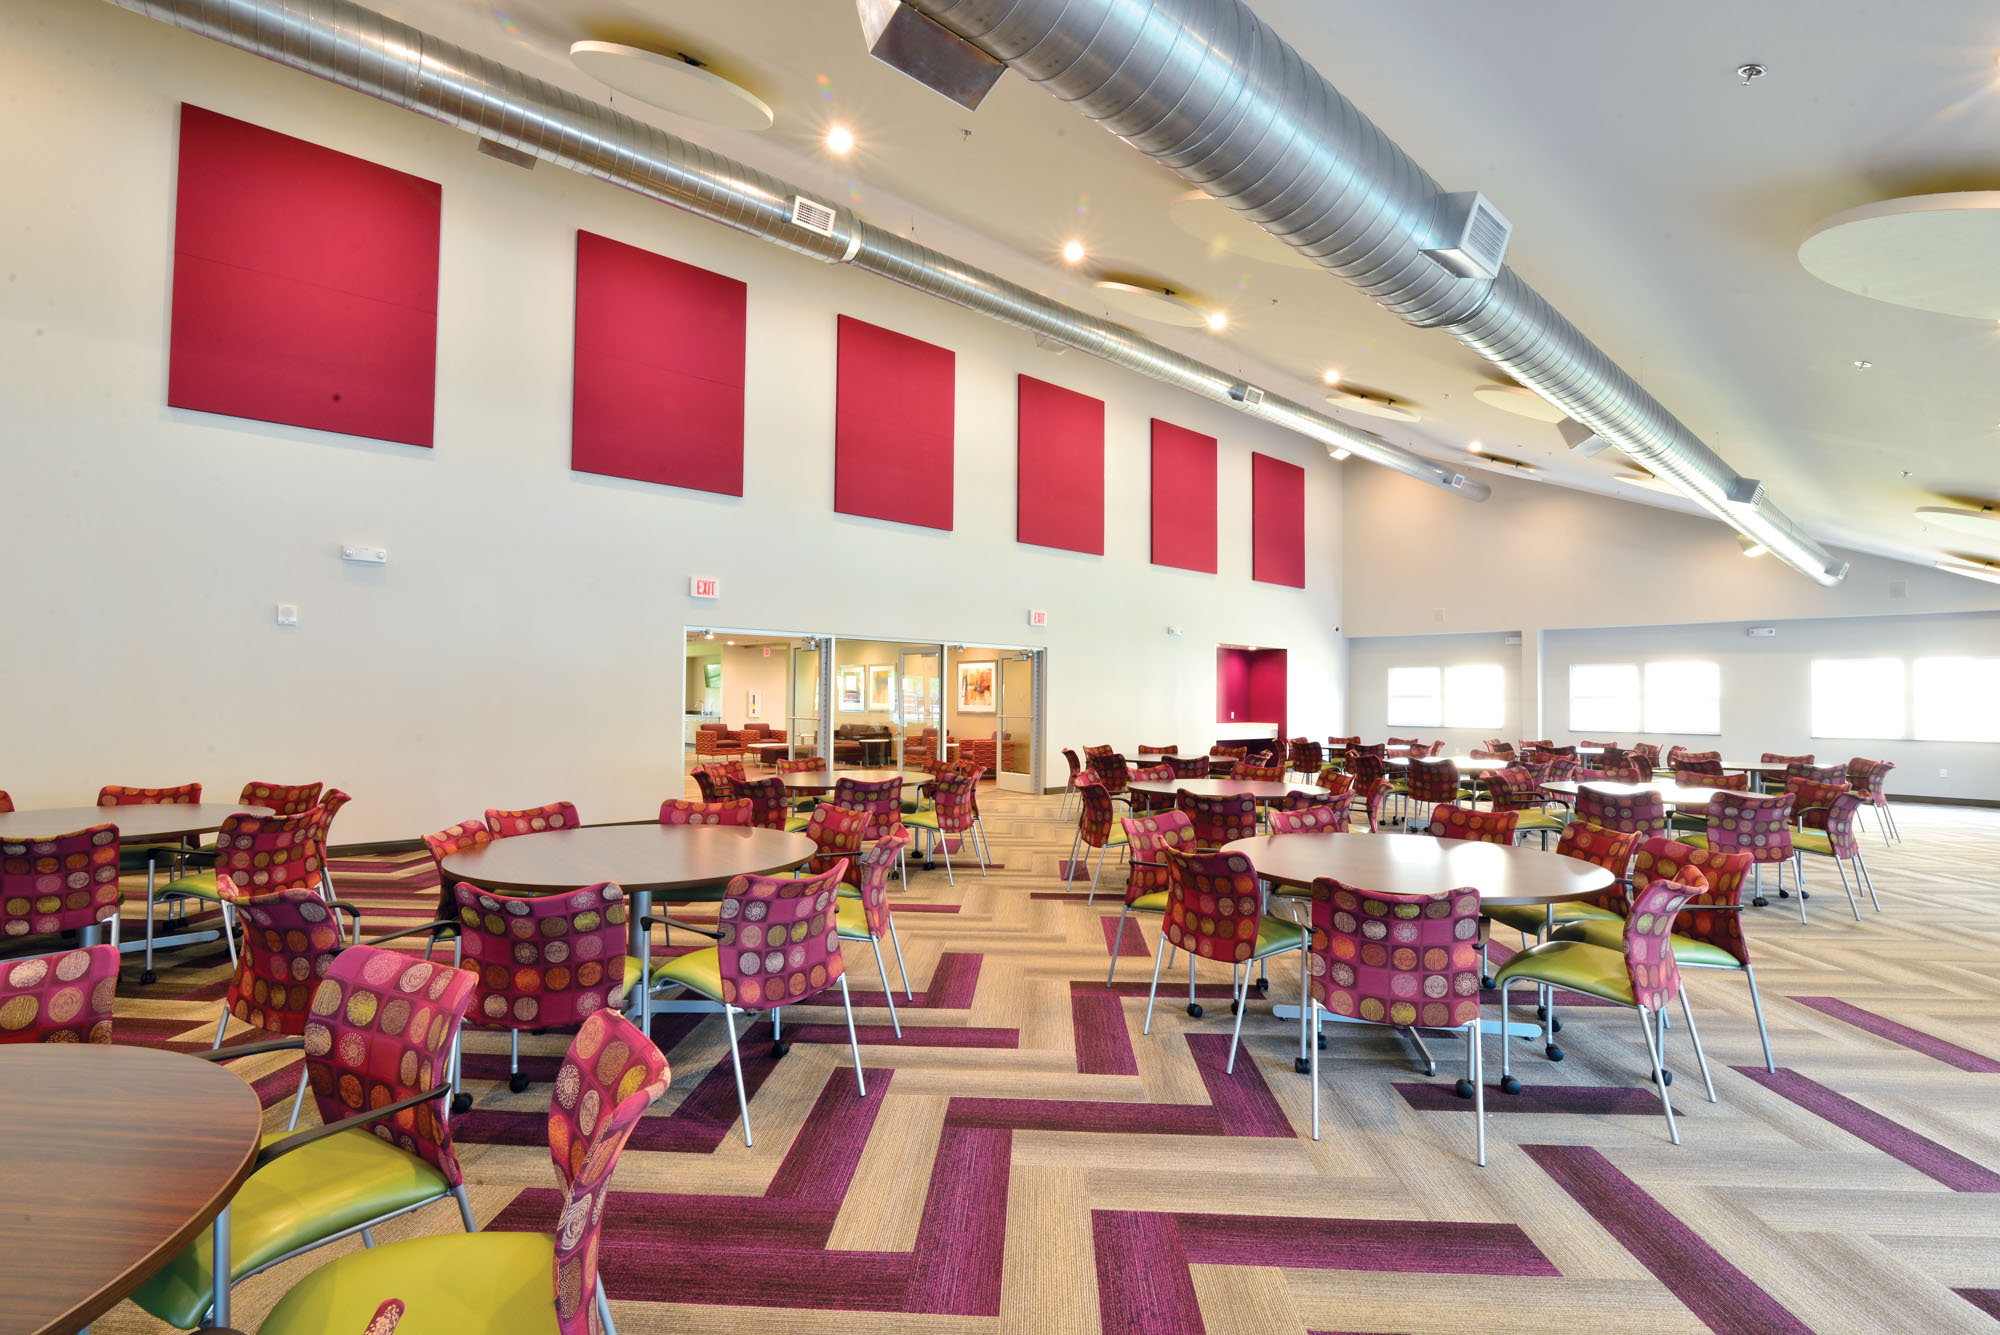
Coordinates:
[1251,686]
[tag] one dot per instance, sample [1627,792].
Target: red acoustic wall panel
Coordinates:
[1183,498]
[659,369]
[892,427]
[1059,482]
[305,284]
[1277,521]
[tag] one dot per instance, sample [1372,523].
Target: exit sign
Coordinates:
[1038,618]
[704,586]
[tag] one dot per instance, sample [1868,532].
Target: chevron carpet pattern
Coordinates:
[1028,1161]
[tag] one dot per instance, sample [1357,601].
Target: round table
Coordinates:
[643,860]
[1759,767]
[1262,790]
[1673,794]
[152,820]
[823,780]
[1407,864]
[1466,764]
[114,1158]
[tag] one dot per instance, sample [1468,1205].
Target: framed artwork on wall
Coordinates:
[975,688]
[881,688]
[847,689]
[751,704]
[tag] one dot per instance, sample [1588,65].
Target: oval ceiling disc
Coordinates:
[1151,303]
[672,84]
[1983,523]
[1931,252]
[1224,230]
[1519,401]
[1372,406]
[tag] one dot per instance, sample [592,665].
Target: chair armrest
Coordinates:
[251,1049]
[437,929]
[271,1153]
[649,922]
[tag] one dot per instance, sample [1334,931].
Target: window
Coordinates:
[1414,698]
[1957,699]
[1858,697]
[1604,698]
[1475,696]
[1683,697]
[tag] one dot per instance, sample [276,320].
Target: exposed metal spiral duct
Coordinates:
[360,49]
[1208,89]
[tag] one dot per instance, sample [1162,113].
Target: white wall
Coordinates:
[522,643]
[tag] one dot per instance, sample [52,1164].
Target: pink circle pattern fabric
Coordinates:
[1396,959]
[289,939]
[1214,905]
[64,998]
[779,942]
[58,884]
[730,811]
[544,961]
[531,820]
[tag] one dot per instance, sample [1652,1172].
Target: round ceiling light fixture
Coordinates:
[1930,252]
[674,83]
[1150,301]
[1226,232]
[1072,252]
[1983,522]
[1520,401]
[840,140]
[1373,405]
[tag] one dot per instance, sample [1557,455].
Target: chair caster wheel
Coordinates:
[1488,983]
[1302,1065]
[1541,1012]
[1805,894]
[461,1103]
[1669,1080]
[1784,894]
[149,977]
[779,1049]
[517,1082]
[1195,1010]
[1761,902]
[1463,1088]
[1263,985]
[1509,1085]
[1555,1026]
[1234,1007]
[1555,1053]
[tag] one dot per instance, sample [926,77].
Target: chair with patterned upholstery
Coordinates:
[502,1281]
[1112,772]
[777,945]
[1812,794]
[544,961]
[1093,752]
[803,803]
[1642,812]
[324,811]
[1609,849]
[712,739]
[1431,782]
[1215,909]
[6,803]
[1160,750]
[1160,773]
[1708,934]
[1096,827]
[468,836]
[532,820]
[1701,778]
[1365,764]
[1373,799]
[1641,975]
[1759,824]
[1451,821]
[1869,778]
[1648,752]
[1701,762]
[1246,772]
[1218,820]
[1335,781]
[61,883]
[1830,776]
[1069,784]
[284,799]
[147,854]
[1305,757]
[1402,745]
[261,855]
[718,781]
[378,1044]
[1319,818]
[1189,767]
[864,912]
[290,936]
[1404,961]
[1148,837]
[771,803]
[1518,789]
[1773,758]
[954,815]
[1673,757]
[736,811]
[1222,759]
[1828,831]
[836,836]
[60,998]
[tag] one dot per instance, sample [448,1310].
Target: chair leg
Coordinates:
[1430,1064]
[229,934]
[736,1061]
[979,829]
[1853,904]
[604,1309]
[1158,960]
[1757,1006]
[944,846]
[221,1028]
[219,1267]
[853,1040]
[298,1099]
[1476,1059]
[1659,1072]
[1117,938]
[1242,990]
[1310,1020]
[1694,1037]
[901,968]
[888,989]
[1069,868]
[368,1237]
[464,1208]
[147,976]
[1867,877]
[1093,875]
[1194,1007]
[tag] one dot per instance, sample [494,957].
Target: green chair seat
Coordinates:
[850,921]
[1275,934]
[911,806]
[1153,903]
[1537,820]
[196,885]
[326,1187]
[634,971]
[1813,841]
[496,1283]
[1695,839]
[1531,918]
[1574,966]
[698,970]
[1610,934]
[793,824]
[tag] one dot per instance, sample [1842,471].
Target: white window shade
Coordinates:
[1957,699]
[1683,697]
[1604,697]
[1859,698]
[1415,697]
[1475,696]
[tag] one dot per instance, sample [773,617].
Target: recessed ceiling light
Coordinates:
[1341,456]
[1072,252]
[1476,446]
[1862,366]
[1331,378]
[840,140]
[1217,321]
[729,641]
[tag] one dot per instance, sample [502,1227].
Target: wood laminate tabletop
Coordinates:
[153,820]
[114,1158]
[1466,764]
[823,780]
[1758,767]
[1674,794]
[1416,864]
[642,859]
[1260,789]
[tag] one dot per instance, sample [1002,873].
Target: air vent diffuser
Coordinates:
[1473,236]
[813,215]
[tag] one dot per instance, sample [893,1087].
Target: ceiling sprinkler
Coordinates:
[1748,72]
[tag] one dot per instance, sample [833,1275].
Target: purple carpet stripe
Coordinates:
[1915,1039]
[1243,1101]
[1241,1105]
[1173,989]
[1986,1300]
[953,982]
[961,1239]
[1143,1283]
[819,1166]
[1073,896]
[1585,1100]
[1891,1137]
[1103,1042]
[1702,1278]
[914,1035]
[1409,1247]
[1131,945]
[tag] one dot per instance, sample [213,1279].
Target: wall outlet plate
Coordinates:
[374,556]
[288,614]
